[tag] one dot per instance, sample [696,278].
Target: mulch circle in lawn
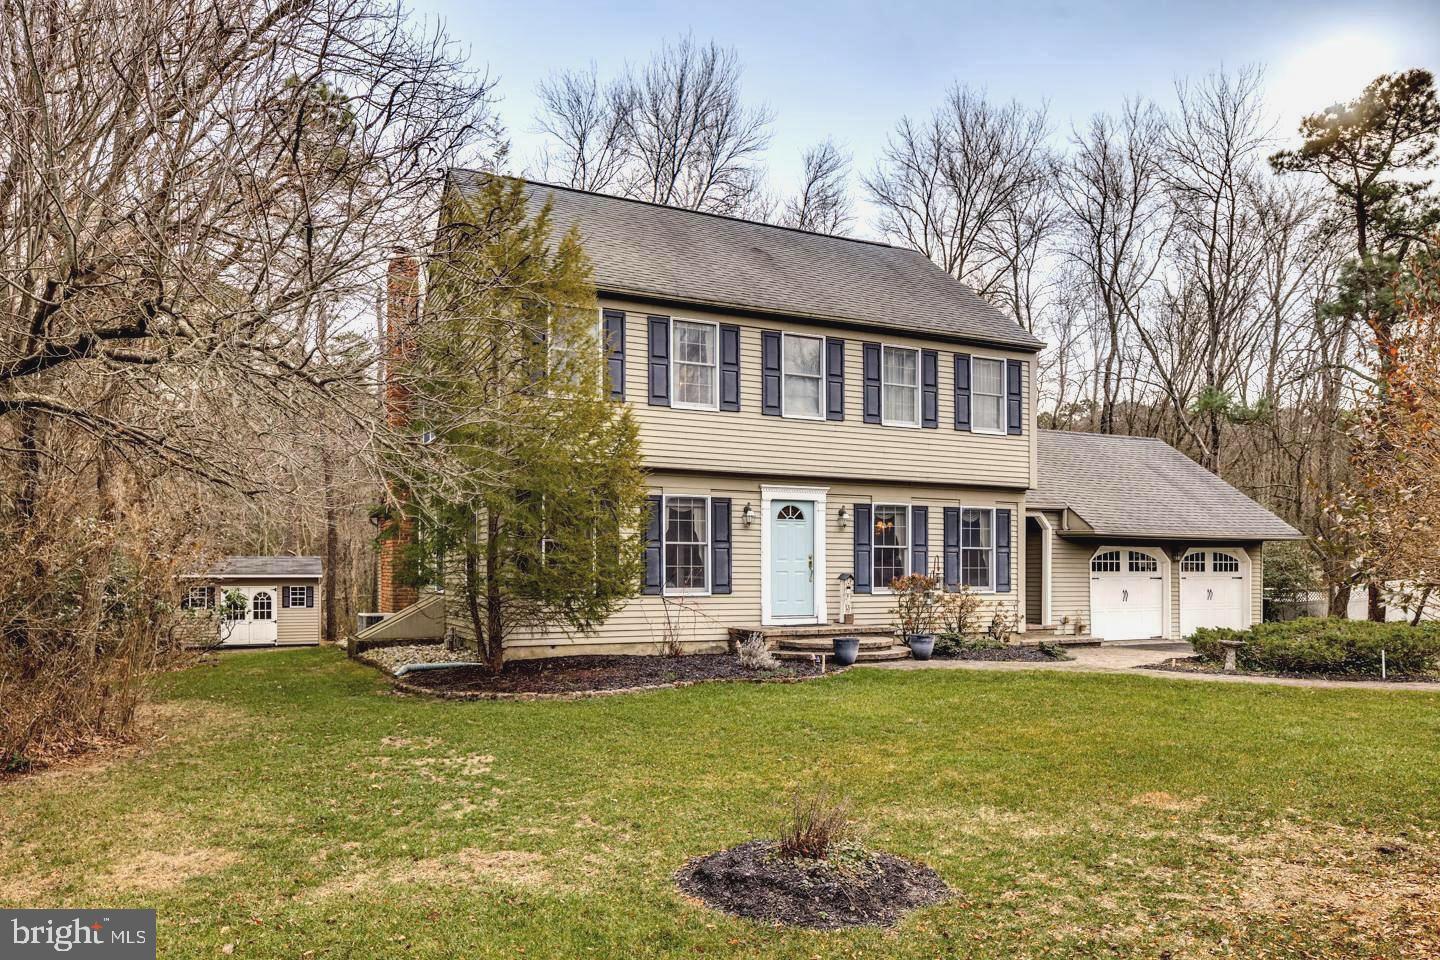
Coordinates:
[1202,665]
[863,888]
[589,674]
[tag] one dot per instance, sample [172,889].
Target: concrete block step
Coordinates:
[865,656]
[825,644]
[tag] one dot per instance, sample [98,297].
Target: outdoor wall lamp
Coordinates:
[747,516]
[843,518]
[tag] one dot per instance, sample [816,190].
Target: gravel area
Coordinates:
[391,659]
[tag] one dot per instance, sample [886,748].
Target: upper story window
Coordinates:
[977,547]
[987,395]
[696,376]
[802,387]
[890,550]
[687,545]
[900,387]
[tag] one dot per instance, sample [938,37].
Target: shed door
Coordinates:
[1127,599]
[1212,591]
[250,619]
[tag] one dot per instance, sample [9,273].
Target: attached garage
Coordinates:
[1140,542]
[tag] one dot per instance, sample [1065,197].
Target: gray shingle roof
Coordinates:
[240,568]
[652,251]
[1138,487]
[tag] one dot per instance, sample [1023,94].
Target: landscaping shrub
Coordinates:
[816,824]
[955,644]
[1323,645]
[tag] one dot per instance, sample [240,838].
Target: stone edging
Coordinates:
[405,687]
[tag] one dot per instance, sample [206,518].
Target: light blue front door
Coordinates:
[792,558]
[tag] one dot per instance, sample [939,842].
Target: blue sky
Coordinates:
[850,70]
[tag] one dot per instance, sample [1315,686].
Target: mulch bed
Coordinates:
[561,675]
[1201,665]
[867,889]
[1024,654]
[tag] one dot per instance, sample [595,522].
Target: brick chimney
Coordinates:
[402,311]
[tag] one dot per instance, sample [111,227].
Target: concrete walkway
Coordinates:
[1129,657]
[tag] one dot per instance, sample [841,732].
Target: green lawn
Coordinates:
[297,808]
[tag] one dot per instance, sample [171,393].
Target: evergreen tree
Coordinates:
[530,486]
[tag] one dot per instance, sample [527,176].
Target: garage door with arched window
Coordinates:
[1127,594]
[1213,590]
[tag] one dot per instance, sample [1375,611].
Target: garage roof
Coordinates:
[650,251]
[250,568]
[1140,488]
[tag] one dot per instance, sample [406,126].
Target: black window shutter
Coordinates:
[919,539]
[720,545]
[615,352]
[870,370]
[729,366]
[952,548]
[862,548]
[770,373]
[1002,551]
[284,597]
[929,388]
[209,598]
[1014,407]
[962,391]
[660,361]
[539,358]
[310,596]
[834,379]
[654,559]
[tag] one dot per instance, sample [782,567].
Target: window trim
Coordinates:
[990,589]
[665,589]
[290,597]
[1004,394]
[919,398]
[820,378]
[675,363]
[205,602]
[875,506]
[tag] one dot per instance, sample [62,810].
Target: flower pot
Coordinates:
[846,650]
[922,645]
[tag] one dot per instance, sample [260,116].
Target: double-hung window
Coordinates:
[987,395]
[697,379]
[196,598]
[890,549]
[295,597]
[900,386]
[804,368]
[977,548]
[687,545]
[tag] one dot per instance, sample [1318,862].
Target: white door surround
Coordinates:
[1211,598]
[1047,539]
[1151,615]
[817,496]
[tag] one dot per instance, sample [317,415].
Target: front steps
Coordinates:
[877,644]
[1036,635]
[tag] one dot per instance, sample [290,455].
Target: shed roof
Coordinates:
[651,251]
[247,568]
[1137,487]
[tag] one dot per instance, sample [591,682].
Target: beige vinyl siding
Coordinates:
[1256,552]
[748,441]
[702,623]
[298,624]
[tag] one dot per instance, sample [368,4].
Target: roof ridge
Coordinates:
[701,213]
[1103,436]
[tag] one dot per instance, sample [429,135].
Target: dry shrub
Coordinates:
[87,611]
[815,825]
[754,655]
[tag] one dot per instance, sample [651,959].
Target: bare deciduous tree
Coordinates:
[823,202]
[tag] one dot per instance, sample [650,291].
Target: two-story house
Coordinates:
[821,415]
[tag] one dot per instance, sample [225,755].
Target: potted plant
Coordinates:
[846,650]
[916,605]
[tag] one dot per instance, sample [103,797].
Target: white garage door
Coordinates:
[1127,595]
[1212,591]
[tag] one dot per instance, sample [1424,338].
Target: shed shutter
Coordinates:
[962,391]
[310,596]
[929,389]
[210,598]
[919,539]
[284,597]
[770,373]
[870,370]
[862,548]
[1014,392]
[654,561]
[615,352]
[659,361]
[952,548]
[729,366]
[834,379]
[1002,551]
[720,545]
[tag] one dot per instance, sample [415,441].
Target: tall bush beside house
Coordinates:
[917,609]
[1327,645]
[530,485]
